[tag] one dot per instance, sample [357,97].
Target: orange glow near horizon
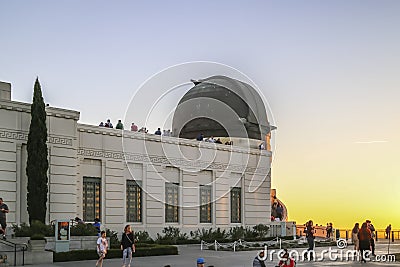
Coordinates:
[339,180]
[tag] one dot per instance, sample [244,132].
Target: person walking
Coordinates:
[388,230]
[3,219]
[127,246]
[365,236]
[372,241]
[354,236]
[102,247]
[329,229]
[310,237]
[259,260]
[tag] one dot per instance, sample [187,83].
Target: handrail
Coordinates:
[320,231]
[23,247]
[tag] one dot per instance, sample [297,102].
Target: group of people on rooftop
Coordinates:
[108,124]
[211,139]
[135,128]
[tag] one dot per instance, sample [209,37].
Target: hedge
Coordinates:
[79,255]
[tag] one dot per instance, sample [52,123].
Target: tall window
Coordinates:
[205,204]
[91,198]
[133,201]
[236,205]
[171,202]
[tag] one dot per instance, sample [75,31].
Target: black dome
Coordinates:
[223,107]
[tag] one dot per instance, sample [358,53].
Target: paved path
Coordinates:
[188,254]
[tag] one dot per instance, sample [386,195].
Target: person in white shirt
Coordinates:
[102,246]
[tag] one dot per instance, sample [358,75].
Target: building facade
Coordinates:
[123,177]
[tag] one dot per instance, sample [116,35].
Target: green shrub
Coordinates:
[21,230]
[81,229]
[37,237]
[157,250]
[258,232]
[75,255]
[261,230]
[172,235]
[79,255]
[209,235]
[36,227]
[237,232]
[143,237]
[114,241]
[144,245]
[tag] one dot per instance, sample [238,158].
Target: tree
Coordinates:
[37,163]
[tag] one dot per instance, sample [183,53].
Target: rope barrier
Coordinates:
[245,244]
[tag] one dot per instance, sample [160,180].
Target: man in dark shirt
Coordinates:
[279,211]
[200,137]
[158,132]
[3,221]
[310,237]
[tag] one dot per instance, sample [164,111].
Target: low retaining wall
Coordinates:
[76,243]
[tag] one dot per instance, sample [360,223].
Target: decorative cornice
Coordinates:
[133,157]
[50,111]
[19,135]
[15,108]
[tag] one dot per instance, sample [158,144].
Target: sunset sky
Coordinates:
[329,70]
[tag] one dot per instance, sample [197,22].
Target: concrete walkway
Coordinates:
[188,254]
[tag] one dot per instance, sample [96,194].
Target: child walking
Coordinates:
[102,246]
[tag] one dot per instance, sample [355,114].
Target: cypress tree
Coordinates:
[37,163]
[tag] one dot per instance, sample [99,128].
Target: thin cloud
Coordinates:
[371,142]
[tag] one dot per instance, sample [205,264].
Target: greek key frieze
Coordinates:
[60,140]
[23,136]
[164,160]
[13,135]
